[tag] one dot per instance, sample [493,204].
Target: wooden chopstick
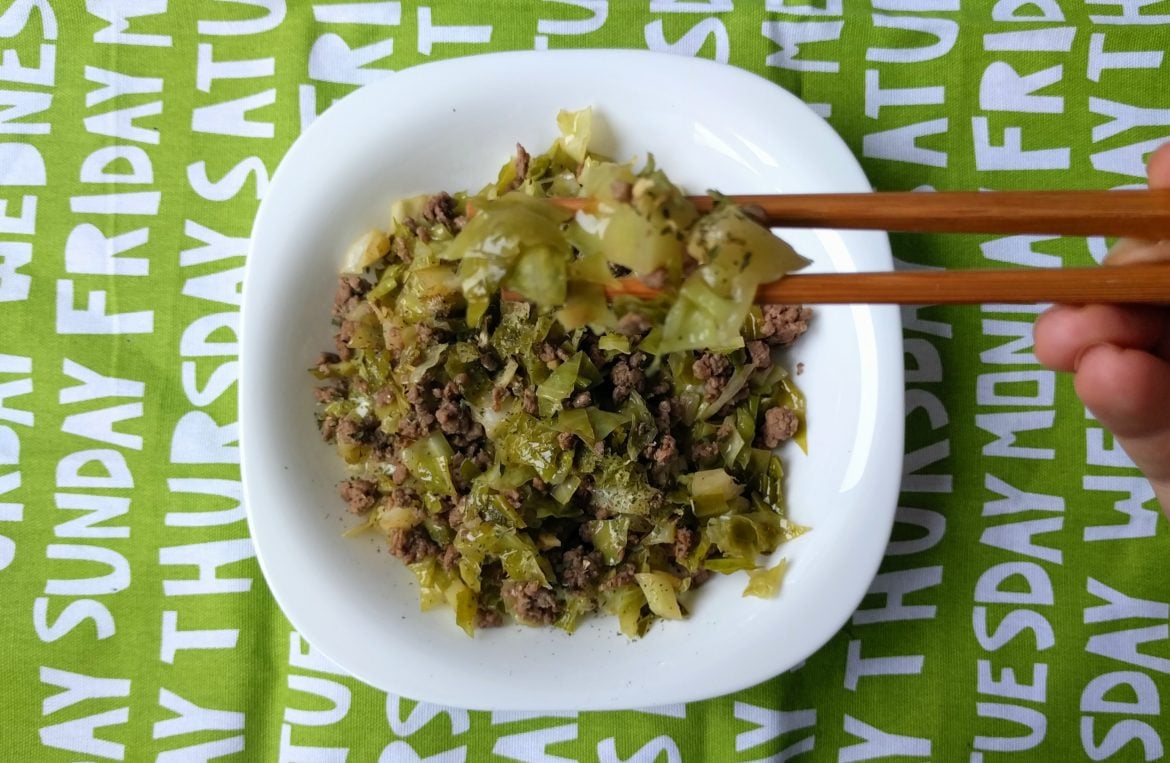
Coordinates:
[1124,284]
[1142,214]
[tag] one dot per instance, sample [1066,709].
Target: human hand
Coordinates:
[1120,357]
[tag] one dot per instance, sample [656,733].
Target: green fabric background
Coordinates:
[940,663]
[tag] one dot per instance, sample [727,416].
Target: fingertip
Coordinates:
[1129,251]
[1050,338]
[1158,168]
[1124,388]
[1061,334]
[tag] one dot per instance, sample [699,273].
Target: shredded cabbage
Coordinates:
[765,583]
[533,448]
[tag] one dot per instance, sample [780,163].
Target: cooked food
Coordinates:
[530,447]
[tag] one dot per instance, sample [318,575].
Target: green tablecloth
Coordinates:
[1022,607]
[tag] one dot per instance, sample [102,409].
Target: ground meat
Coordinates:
[392,337]
[530,602]
[621,190]
[356,431]
[448,393]
[488,618]
[349,290]
[595,509]
[327,395]
[704,453]
[482,459]
[520,164]
[328,427]
[713,387]
[661,387]
[655,279]
[784,324]
[341,339]
[760,354]
[404,498]
[634,324]
[581,568]
[779,425]
[458,481]
[627,376]
[685,540]
[489,361]
[359,494]
[622,577]
[421,416]
[468,440]
[416,395]
[455,514]
[668,462]
[584,491]
[710,365]
[425,334]
[324,360]
[453,418]
[440,208]
[589,346]
[581,400]
[714,370]
[666,450]
[381,442]
[419,419]
[528,401]
[450,558]
[699,577]
[565,440]
[414,425]
[411,544]
[666,412]
[399,249]
[548,353]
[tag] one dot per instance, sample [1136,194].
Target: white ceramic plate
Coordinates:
[448,126]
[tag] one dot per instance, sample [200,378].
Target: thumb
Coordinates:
[1132,251]
[1129,251]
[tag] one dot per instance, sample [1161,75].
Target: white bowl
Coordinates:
[448,126]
